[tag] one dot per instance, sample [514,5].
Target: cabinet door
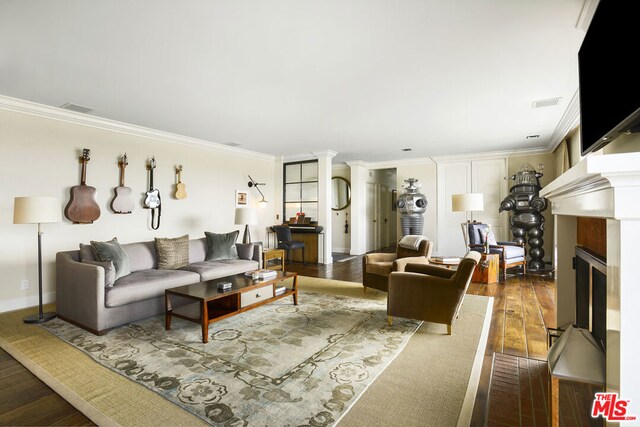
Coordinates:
[453,178]
[487,177]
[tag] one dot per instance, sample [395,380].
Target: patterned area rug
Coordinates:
[278,364]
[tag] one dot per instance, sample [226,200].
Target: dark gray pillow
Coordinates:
[221,246]
[112,251]
[86,253]
[245,250]
[172,253]
[109,271]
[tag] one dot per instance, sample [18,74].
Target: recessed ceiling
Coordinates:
[360,77]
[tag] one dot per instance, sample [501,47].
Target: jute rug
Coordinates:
[242,379]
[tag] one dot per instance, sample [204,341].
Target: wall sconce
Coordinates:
[253,183]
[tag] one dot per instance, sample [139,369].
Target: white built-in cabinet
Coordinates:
[486,176]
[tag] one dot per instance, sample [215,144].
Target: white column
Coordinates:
[324,202]
[359,173]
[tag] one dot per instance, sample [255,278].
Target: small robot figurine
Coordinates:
[526,220]
[412,205]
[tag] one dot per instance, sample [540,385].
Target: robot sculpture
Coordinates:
[412,206]
[526,220]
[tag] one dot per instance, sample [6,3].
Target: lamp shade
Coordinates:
[246,216]
[467,202]
[36,210]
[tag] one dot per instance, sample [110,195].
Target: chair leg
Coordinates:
[390,320]
[449,329]
[364,289]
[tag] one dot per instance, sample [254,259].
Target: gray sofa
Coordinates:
[83,299]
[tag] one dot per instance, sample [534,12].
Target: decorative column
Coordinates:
[359,173]
[324,202]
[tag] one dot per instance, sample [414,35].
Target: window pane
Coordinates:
[310,192]
[290,210]
[310,210]
[310,171]
[292,193]
[292,173]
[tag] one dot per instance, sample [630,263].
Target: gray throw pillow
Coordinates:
[86,253]
[172,253]
[221,246]
[245,250]
[112,251]
[109,271]
[486,234]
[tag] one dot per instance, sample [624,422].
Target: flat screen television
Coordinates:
[609,78]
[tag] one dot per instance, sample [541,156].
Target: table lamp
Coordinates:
[246,216]
[467,202]
[37,210]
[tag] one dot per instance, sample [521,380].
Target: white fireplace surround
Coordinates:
[604,186]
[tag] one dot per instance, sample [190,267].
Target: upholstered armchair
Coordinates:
[430,293]
[512,254]
[377,267]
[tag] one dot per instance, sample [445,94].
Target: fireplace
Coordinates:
[591,294]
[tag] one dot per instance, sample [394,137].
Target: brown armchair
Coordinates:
[377,267]
[430,293]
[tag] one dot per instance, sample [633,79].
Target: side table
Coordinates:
[487,269]
[270,255]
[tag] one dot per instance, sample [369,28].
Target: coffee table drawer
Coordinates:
[256,295]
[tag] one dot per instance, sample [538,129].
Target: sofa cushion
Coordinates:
[382,268]
[112,251]
[145,284]
[142,255]
[173,253]
[109,271]
[221,246]
[209,270]
[197,250]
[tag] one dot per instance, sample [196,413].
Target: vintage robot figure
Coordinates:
[527,223]
[412,205]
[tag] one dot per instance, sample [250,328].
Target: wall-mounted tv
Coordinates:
[609,78]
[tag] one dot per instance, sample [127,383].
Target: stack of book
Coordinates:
[224,286]
[280,290]
[447,258]
[262,274]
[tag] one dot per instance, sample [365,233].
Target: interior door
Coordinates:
[488,179]
[372,216]
[453,178]
[385,213]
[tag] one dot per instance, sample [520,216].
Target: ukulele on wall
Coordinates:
[122,203]
[152,198]
[181,191]
[83,206]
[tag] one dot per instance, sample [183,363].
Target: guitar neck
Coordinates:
[83,177]
[122,166]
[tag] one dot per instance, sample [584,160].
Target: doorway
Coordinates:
[381,217]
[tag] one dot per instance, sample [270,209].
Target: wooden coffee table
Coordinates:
[212,304]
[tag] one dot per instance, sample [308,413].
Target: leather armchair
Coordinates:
[512,254]
[430,293]
[377,267]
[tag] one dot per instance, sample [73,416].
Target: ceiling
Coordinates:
[364,78]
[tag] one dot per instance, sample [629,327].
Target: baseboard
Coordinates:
[340,250]
[26,302]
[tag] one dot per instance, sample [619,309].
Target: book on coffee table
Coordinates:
[262,274]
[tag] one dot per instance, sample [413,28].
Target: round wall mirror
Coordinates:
[340,193]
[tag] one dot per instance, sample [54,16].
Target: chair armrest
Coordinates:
[379,257]
[401,263]
[511,244]
[416,287]
[431,270]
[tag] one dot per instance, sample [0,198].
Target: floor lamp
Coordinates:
[467,202]
[246,216]
[37,210]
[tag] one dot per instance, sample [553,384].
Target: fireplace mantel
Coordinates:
[604,186]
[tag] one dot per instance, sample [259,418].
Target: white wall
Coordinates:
[425,171]
[40,157]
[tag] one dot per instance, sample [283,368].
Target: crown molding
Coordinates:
[54,113]
[569,121]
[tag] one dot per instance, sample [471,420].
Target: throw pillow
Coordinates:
[109,271]
[484,236]
[221,246]
[245,250]
[86,253]
[172,253]
[112,251]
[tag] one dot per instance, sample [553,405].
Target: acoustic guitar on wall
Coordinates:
[181,191]
[152,198]
[83,206]
[122,203]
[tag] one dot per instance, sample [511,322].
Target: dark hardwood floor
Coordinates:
[524,306]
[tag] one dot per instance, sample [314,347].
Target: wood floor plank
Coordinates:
[515,342]
[535,331]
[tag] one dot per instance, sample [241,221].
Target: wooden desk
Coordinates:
[487,269]
[270,255]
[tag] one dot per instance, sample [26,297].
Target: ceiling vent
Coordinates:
[77,108]
[549,102]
